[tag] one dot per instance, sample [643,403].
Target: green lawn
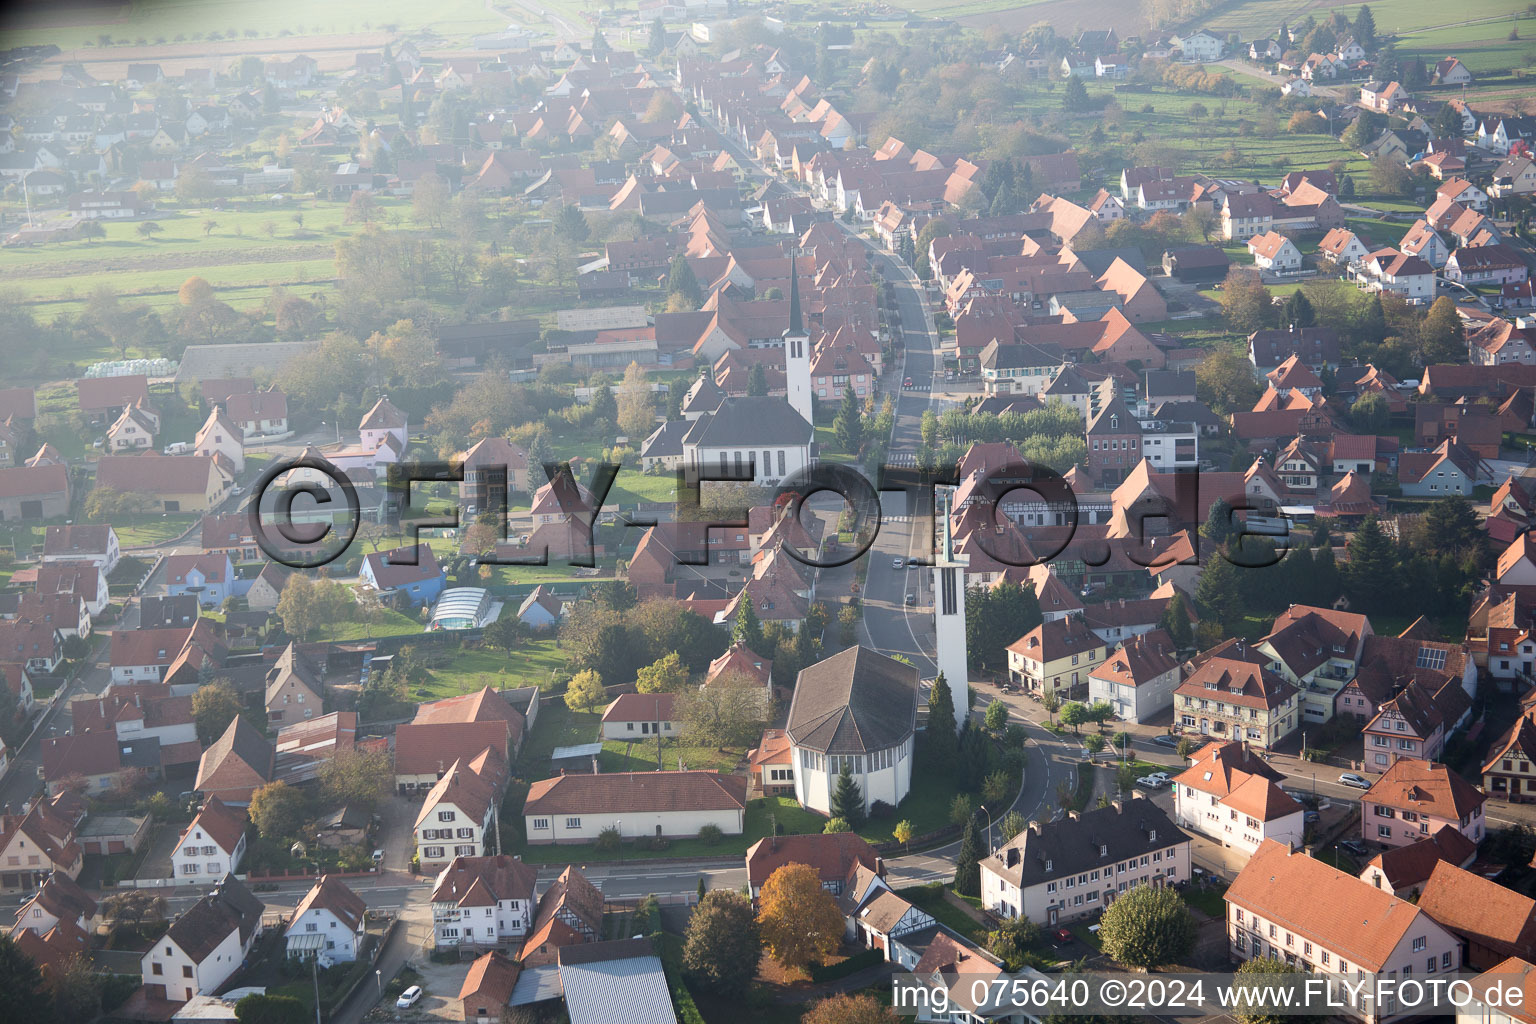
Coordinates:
[537,664]
[146,530]
[1208,900]
[930,899]
[387,622]
[641,755]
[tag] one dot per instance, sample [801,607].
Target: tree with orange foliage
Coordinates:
[798,919]
[856,1009]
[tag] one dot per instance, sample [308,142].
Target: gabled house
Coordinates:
[569,913]
[1414,798]
[1230,693]
[482,902]
[329,920]
[1416,723]
[39,843]
[410,576]
[1288,905]
[1403,870]
[1492,921]
[458,814]
[96,544]
[205,945]
[236,765]
[1233,796]
[208,577]
[295,688]
[213,845]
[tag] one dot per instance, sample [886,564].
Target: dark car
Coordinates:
[1165,740]
[1311,816]
[1353,846]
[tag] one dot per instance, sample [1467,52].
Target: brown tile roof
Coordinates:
[641,707]
[99,393]
[505,876]
[1426,787]
[1354,919]
[490,981]
[383,416]
[1224,673]
[884,912]
[429,748]
[1139,660]
[152,473]
[241,758]
[332,894]
[391,569]
[463,788]
[832,855]
[1513,973]
[572,893]
[30,481]
[1404,866]
[641,792]
[230,907]
[1480,909]
[1057,639]
[78,541]
[223,824]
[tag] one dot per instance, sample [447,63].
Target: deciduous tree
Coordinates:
[859,1008]
[667,674]
[722,946]
[213,707]
[278,810]
[1147,927]
[585,691]
[799,920]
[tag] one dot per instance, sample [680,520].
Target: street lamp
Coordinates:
[379,976]
[989,828]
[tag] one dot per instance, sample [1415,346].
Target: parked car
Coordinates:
[1353,846]
[911,597]
[1157,780]
[1311,816]
[1164,740]
[1357,781]
[408,998]
[1062,935]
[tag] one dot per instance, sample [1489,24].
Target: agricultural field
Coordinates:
[1252,19]
[1166,117]
[165,21]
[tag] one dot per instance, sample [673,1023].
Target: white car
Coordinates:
[1156,780]
[1357,781]
[408,998]
[897,563]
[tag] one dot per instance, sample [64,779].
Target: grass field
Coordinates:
[1257,18]
[388,623]
[641,755]
[75,27]
[1164,116]
[536,664]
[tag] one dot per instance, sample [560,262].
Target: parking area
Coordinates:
[440,984]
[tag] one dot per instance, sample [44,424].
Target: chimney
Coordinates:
[1074,816]
[1034,826]
[1118,806]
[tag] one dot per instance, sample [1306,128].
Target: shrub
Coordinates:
[609,840]
[710,834]
[881,809]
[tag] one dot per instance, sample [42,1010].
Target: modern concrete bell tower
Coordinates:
[949,616]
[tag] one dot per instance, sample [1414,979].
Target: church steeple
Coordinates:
[797,351]
[796,321]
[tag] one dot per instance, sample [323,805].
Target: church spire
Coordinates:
[796,322]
